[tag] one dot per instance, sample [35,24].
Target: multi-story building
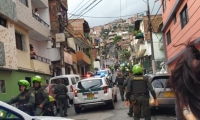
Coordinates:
[80,42]
[22,31]
[180,23]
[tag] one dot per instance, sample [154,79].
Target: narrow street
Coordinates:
[119,113]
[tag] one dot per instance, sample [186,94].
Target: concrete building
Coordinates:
[180,23]
[20,27]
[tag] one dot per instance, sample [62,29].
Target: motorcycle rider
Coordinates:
[41,95]
[25,99]
[138,92]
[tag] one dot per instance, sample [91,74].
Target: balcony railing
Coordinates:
[40,20]
[42,59]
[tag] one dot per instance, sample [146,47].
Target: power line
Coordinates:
[77,6]
[79,9]
[108,16]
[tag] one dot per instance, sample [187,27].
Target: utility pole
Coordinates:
[62,63]
[150,30]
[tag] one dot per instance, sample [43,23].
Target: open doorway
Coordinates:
[28,79]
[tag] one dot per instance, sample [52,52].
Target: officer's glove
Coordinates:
[127,103]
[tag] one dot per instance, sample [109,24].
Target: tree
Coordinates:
[125,55]
[117,39]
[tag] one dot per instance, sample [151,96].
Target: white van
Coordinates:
[68,80]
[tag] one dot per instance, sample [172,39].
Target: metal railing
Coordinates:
[40,20]
[42,59]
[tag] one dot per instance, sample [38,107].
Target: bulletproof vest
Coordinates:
[139,84]
[38,96]
[60,89]
[23,98]
[120,79]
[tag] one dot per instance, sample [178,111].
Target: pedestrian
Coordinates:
[25,99]
[138,93]
[41,95]
[185,82]
[61,95]
[130,113]
[119,81]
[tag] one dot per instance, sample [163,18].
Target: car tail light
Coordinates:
[88,75]
[75,93]
[71,88]
[105,89]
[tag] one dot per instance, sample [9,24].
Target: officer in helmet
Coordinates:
[119,81]
[25,99]
[41,95]
[138,92]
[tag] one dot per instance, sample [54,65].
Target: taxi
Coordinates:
[165,96]
[94,91]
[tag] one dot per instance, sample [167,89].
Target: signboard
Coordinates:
[60,37]
[68,58]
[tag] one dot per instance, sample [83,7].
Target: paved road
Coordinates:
[119,113]
[112,55]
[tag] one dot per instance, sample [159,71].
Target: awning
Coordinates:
[138,36]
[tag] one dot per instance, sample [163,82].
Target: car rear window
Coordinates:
[161,82]
[77,79]
[65,81]
[90,84]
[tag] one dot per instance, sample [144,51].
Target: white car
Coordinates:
[94,91]
[8,112]
[107,72]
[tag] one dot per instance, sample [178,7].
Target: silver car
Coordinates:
[163,91]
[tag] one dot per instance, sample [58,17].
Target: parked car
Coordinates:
[165,96]
[70,82]
[8,112]
[94,91]
[107,72]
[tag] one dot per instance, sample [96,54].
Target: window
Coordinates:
[25,2]
[164,5]
[184,17]
[168,37]
[3,22]
[3,86]
[19,41]
[8,114]
[77,79]
[90,84]
[174,19]
[73,81]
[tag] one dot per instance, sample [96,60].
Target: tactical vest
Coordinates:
[139,84]
[38,96]
[120,80]
[23,98]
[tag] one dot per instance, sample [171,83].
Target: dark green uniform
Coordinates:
[25,99]
[131,105]
[120,81]
[41,97]
[61,91]
[138,91]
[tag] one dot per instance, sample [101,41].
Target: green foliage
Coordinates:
[131,29]
[137,32]
[125,55]
[117,39]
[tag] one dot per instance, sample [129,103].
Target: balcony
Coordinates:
[23,59]
[40,64]
[82,58]
[39,3]
[37,28]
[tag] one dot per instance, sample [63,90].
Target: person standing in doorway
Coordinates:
[32,52]
[119,81]
[61,95]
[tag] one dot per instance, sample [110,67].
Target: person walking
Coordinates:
[130,113]
[138,93]
[119,81]
[61,94]
[41,95]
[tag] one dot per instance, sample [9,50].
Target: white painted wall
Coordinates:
[158,54]
[44,15]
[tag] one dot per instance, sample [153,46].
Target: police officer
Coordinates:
[119,81]
[130,113]
[25,99]
[137,91]
[61,91]
[41,95]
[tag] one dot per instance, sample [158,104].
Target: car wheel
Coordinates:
[55,110]
[77,109]
[112,105]
[115,98]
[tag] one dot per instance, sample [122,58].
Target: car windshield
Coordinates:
[65,81]
[100,72]
[161,82]
[90,84]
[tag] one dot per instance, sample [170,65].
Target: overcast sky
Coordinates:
[110,8]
